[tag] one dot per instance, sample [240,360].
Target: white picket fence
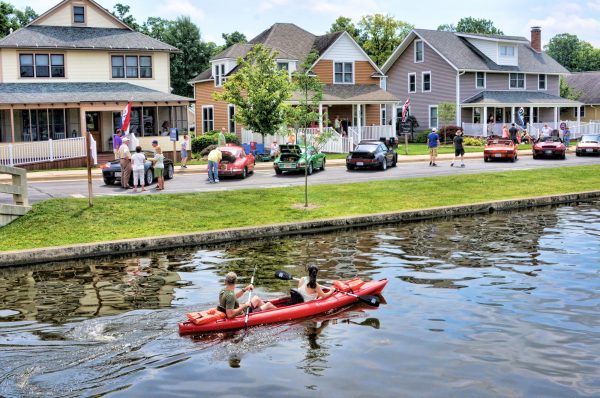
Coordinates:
[534,129]
[45,151]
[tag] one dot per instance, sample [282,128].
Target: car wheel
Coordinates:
[244,173]
[169,172]
[564,156]
[109,181]
[512,160]
[350,167]
[395,161]
[486,159]
[535,156]
[322,168]
[278,172]
[384,164]
[149,176]
[577,153]
[310,168]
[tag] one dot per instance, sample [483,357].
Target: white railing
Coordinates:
[585,128]
[249,136]
[45,151]
[534,129]
[376,132]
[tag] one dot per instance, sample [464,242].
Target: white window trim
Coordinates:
[408,81]
[524,81]
[213,116]
[220,67]
[545,82]
[423,81]
[85,14]
[344,73]
[484,80]
[229,106]
[383,83]
[429,117]
[382,110]
[506,46]
[415,51]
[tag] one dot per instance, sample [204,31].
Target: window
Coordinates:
[476,115]
[419,51]
[219,74]
[383,83]
[283,66]
[42,65]
[343,72]
[131,66]
[517,80]
[541,82]
[426,77]
[433,116]
[79,14]
[208,122]
[581,112]
[231,118]
[412,82]
[507,51]
[383,115]
[480,80]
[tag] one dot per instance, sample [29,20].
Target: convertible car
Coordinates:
[588,145]
[293,158]
[372,154]
[236,162]
[549,147]
[111,171]
[500,148]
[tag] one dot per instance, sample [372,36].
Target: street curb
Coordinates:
[139,245]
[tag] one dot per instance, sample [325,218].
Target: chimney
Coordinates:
[536,38]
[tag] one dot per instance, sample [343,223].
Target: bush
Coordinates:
[472,141]
[203,141]
[207,150]
[448,132]
[421,137]
[232,139]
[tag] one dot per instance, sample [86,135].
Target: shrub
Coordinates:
[421,136]
[448,132]
[232,139]
[472,141]
[203,141]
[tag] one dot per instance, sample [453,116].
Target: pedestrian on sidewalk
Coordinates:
[433,142]
[214,157]
[159,167]
[567,137]
[184,151]
[138,161]
[125,161]
[459,149]
[117,141]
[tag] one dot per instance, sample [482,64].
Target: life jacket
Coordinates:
[210,315]
[348,286]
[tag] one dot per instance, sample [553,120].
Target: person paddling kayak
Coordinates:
[228,298]
[309,288]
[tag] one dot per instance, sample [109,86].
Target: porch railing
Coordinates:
[44,151]
[376,132]
[534,129]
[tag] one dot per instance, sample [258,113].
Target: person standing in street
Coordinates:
[184,151]
[221,138]
[459,148]
[513,133]
[138,161]
[117,141]
[214,157]
[125,161]
[433,142]
[159,166]
[567,137]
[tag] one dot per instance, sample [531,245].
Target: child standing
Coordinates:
[159,168]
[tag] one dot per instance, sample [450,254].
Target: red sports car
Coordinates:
[236,162]
[500,148]
[549,147]
[588,145]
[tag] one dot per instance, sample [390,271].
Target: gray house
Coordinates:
[489,78]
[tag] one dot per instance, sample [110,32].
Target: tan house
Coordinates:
[587,85]
[354,87]
[76,67]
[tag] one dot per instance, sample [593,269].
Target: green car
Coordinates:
[293,158]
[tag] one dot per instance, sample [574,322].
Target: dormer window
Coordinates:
[419,51]
[79,14]
[219,74]
[507,51]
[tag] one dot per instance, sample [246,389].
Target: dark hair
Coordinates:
[138,149]
[312,276]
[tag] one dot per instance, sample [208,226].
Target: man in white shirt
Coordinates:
[125,160]
[546,131]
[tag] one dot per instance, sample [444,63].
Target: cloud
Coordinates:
[586,28]
[594,5]
[348,8]
[175,8]
[266,5]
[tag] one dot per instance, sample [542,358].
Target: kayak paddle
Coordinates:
[367,299]
[249,297]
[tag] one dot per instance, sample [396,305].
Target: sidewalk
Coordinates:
[58,175]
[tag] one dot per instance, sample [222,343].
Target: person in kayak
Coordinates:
[228,298]
[309,288]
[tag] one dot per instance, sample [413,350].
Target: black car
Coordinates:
[372,154]
[111,171]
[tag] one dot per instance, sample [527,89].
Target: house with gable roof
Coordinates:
[353,85]
[587,87]
[489,78]
[75,68]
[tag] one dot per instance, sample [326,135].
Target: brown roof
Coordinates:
[587,84]
[352,93]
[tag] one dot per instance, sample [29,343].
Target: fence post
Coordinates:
[50,144]
[11,160]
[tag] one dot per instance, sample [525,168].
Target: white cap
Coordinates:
[434,130]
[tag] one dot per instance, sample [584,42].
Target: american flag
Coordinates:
[405,109]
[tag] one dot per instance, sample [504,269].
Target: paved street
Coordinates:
[195,180]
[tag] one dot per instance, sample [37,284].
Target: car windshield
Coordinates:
[365,148]
[591,138]
[550,139]
[500,142]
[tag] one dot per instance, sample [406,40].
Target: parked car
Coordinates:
[111,171]
[236,162]
[549,147]
[499,148]
[372,154]
[293,158]
[589,144]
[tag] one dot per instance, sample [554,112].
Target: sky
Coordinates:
[513,17]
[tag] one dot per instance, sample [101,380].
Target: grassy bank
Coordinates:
[69,221]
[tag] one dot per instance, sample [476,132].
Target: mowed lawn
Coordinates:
[70,221]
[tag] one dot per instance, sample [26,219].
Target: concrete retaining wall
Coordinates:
[29,257]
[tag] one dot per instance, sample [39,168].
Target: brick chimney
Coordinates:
[536,38]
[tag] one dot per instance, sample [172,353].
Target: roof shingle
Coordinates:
[518,98]
[587,84]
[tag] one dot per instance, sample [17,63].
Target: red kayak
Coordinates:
[347,292]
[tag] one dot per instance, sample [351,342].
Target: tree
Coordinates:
[345,24]
[563,48]
[472,25]
[259,91]
[192,59]
[121,11]
[567,91]
[233,38]
[156,27]
[446,114]
[587,58]
[12,18]
[448,27]
[381,34]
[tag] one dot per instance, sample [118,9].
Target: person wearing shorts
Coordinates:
[433,142]
[159,167]
[184,151]
[459,148]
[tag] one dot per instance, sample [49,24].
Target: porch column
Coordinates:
[556,117]
[320,117]
[485,121]
[512,114]
[359,120]
[12,125]
[530,117]
[578,117]
[394,118]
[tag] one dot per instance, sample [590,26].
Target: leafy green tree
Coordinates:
[472,25]
[587,58]
[259,91]
[192,59]
[233,38]
[345,24]
[567,91]
[381,34]
[11,18]
[156,27]
[121,11]
[446,114]
[563,48]
[447,27]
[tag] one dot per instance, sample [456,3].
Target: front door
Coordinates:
[92,121]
